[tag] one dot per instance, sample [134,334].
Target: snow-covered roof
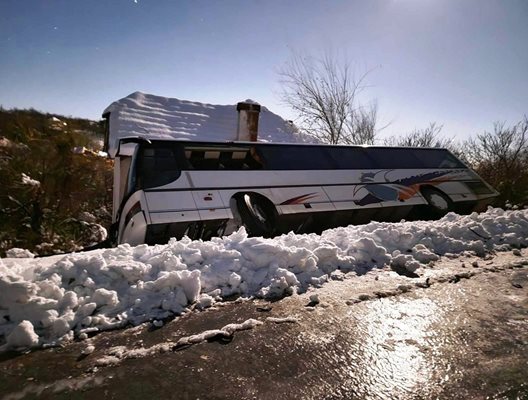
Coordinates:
[150,116]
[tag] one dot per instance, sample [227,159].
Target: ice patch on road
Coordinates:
[118,353]
[226,331]
[284,320]
[77,294]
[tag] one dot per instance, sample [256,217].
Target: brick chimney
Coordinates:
[248,118]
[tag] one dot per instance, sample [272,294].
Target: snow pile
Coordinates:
[77,294]
[16,252]
[23,336]
[26,180]
[158,117]
[56,123]
[5,143]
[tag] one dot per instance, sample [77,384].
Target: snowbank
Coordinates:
[157,117]
[16,252]
[44,301]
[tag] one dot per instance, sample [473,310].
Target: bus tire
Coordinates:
[439,203]
[258,214]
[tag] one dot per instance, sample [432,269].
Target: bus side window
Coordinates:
[450,161]
[157,166]
[232,160]
[195,158]
[395,158]
[351,158]
[253,160]
[291,157]
[438,158]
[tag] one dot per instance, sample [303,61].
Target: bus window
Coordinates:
[239,159]
[351,158]
[295,157]
[438,158]
[393,158]
[221,158]
[203,160]
[157,166]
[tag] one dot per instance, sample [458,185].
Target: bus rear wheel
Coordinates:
[439,203]
[257,213]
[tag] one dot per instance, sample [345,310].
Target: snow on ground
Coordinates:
[157,117]
[26,180]
[51,300]
[15,252]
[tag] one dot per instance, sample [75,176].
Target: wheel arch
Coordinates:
[431,194]
[243,209]
[262,197]
[432,188]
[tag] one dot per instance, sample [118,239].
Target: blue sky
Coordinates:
[461,63]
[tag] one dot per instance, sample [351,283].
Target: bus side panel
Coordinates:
[121,167]
[228,194]
[168,201]
[457,191]
[239,179]
[171,217]
[134,232]
[352,197]
[133,219]
[301,200]
[179,206]
[210,205]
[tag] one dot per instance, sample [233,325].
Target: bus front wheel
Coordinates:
[439,203]
[257,213]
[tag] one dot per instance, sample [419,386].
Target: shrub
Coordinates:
[46,187]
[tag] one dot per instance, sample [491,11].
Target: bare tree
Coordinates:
[501,158]
[324,93]
[361,125]
[426,137]
[505,146]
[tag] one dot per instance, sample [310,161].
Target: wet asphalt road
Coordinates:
[461,333]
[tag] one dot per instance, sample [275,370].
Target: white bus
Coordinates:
[172,188]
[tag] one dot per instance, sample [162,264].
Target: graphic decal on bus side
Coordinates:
[395,189]
[299,199]
[400,189]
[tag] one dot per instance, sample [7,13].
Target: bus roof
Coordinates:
[246,143]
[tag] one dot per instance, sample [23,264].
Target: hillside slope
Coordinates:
[56,188]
